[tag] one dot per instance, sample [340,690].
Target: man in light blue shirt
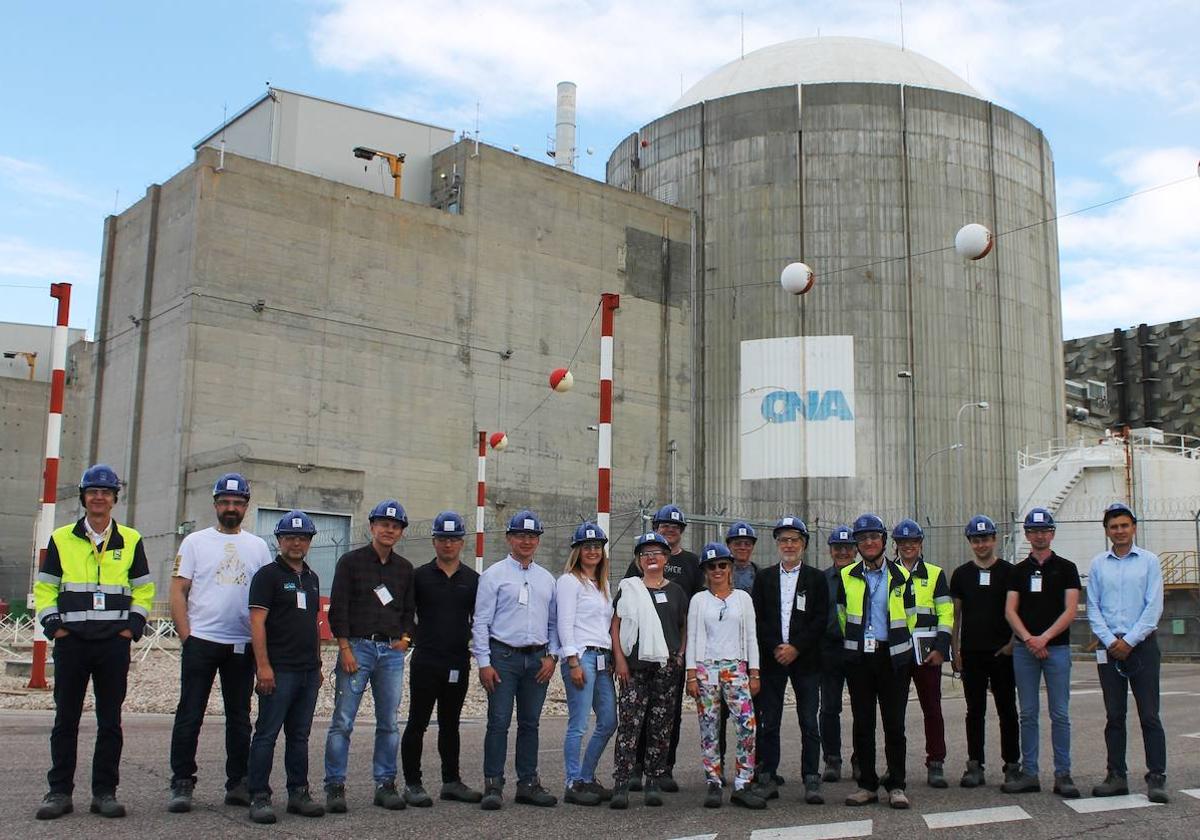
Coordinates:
[514,640]
[1124,604]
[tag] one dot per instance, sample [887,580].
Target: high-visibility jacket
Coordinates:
[74,574]
[853,606]
[935,608]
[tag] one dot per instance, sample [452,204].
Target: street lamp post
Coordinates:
[912,435]
[982,405]
[924,463]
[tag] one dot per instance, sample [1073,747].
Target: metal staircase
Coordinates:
[1060,496]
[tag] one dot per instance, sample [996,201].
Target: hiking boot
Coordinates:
[833,770]
[812,791]
[456,791]
[712,799]
[335,798]
[532,793]
[261,810]
[55,805]
[416,796]
[181,796]
[301,802]
[862,796]
[1114,784]
[767,789]
[973,777]
[653,794]
[577,794]
[936,775]
[620,798]
[493,794]
[747,798]
[1011,771]
[898,800]
[1022,782]
[635,779]
[600,790]
[667,783]
[106,805]
[1064,786]
[1156,788]
[387,797]
[238,795]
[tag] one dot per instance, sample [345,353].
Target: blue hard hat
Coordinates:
[908,529]
[100,475]
[588,532]
[792,523]
[740,529]
[524,522]
[980,526]
[869,523]
[448,524]
[232,484]
[295,523]
[389,509]
[651,539]
[669,515]
[841,535]
[1039,519]
[1118,509]
[714,551]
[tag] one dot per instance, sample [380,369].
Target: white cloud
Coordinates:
[24,260]
[37,183]
[1102,295]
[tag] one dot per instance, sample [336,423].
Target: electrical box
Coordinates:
[1177,627]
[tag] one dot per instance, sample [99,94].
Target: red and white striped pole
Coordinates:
[609,303]
[481,486]
[58,378]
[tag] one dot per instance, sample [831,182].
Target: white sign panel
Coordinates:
[797,407]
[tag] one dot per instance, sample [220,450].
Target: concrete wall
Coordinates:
[31,338]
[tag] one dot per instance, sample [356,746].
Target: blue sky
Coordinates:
[102,99]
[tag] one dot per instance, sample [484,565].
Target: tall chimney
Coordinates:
[564,127]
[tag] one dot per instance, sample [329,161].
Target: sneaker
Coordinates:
[1156,788]
[1064,786]
[667,783]
[812,791]
[493,795]
[862,796]
[335,798]
[577,794]
[652,797]
[620,798]
[301,802]
[973,777]
[55,805]
[833,770]
[106,805]
[261,810]
[1011,771]
[1114,784]
[532,793]
[635,779]
[1022,782]
[387,797]
[181,796]
[600,790]
[712,798]
[456,791]
[416,796]
[238,795]
[747,798]
[936,775]
[898,800]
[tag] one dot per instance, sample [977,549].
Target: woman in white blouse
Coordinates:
[584,619]
[722,661]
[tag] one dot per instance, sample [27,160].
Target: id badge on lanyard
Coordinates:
[98,551]
[1035,582]
[869,642]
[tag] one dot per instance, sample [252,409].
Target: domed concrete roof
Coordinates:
[815,60]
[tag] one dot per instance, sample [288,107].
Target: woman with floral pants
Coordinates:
[722,662]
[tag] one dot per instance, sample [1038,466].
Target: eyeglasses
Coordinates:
[719,565]
[789,540]
[654,553]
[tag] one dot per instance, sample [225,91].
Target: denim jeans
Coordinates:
[289,707]
[1142,669]
[383,667]
[768,706]
[599,695]
[1028,670]
[519,686]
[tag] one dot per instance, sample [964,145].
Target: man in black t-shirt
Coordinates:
[983,649]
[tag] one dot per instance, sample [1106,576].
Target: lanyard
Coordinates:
[871,590]
[99,551]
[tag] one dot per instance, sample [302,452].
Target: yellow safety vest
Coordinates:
[853,596]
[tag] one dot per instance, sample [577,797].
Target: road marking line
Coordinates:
[1192,792]
[976,816]
[698,837]
[1192,735]
[1096,804]
[824,831]
[1087,691]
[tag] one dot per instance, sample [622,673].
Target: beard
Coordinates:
[230,518]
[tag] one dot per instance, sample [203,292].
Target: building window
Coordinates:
[330,543]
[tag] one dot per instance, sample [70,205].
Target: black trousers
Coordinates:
[833,681]
[105,662]
[200,663]
[1139,672]
[983,670]
[429,685]
[875,683]
[676,718]
[768,708]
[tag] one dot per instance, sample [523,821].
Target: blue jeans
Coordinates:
[289,707]
[1028,670]
[598,694]
[519,686]
[1139,672]
[383,667]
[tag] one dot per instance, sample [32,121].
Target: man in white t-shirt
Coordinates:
[210,591]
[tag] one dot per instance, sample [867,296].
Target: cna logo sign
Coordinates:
[790,406]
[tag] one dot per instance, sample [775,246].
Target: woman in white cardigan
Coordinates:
[722,662]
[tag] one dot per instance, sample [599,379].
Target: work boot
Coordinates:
[181,796]
[767,788]
[974,777]
[456,791]
[862,796]
[577,794]
[493,794]
[936,775]
[55,805]
[712,798]
[898,800]
[1011,771]
[812,790]
[261,810]
[238,795]
[1114,784]
[667,783]
[635,779]
[1064,786]
[652,797]
[416,796]
[387,797]
[747,798]
[532,793]
[833,770]
[1022,782]
[301,802]
[1156,788]
[620,798]
[600,790]
[106,805]
[335,798]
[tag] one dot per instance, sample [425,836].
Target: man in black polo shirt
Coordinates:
[983,649]
[1043,593]
[440,669]
[285,597]
[371,611]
